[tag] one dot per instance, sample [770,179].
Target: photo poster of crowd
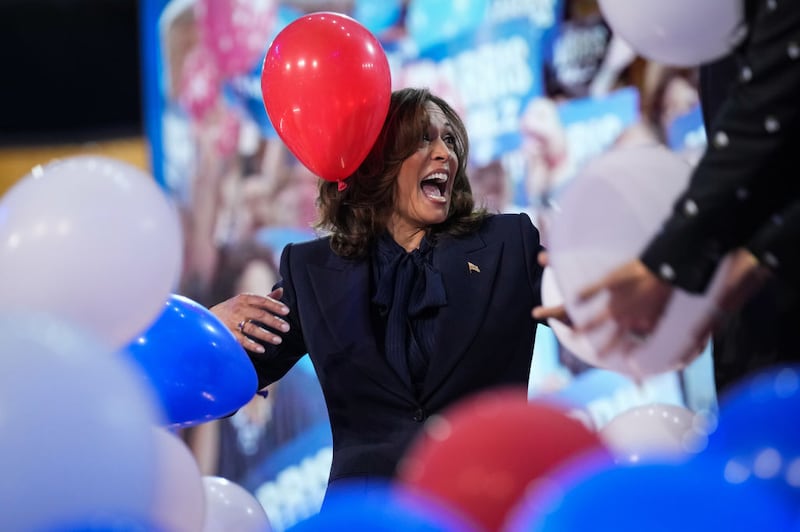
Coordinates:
[543,86]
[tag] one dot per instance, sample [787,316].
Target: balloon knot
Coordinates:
[342,186]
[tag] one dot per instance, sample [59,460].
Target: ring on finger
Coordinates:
[241,325]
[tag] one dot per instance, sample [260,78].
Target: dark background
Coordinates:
[71,70]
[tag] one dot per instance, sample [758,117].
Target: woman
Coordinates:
[414,301]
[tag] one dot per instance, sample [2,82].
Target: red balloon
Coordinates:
[326,86]
[483,455]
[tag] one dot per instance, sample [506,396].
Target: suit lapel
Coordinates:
[469,267]
[341,288]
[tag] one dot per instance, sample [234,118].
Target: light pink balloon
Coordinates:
[574,341]
[231,507]
[677,32]
[92,240]
[180,503]
[236,32]
[655,432]
[606,217]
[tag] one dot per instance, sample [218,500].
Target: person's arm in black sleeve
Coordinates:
[276,360]
[777,245]
[755,127]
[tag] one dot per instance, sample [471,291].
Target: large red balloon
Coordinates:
[326,86]
[484,454]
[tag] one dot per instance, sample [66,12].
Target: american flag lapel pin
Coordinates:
[473,268]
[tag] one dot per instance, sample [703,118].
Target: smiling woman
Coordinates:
[414,301]
[423,140]
[424,184]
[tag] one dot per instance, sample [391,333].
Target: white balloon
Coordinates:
[93,240]
[677,32]
[76,421]
[180,499]
[655,432]
[231,507]
[612,208]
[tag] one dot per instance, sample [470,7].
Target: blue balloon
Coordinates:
[757,439]
[663,497]
[380,506]
[108,524]
[195,364]
[761,411]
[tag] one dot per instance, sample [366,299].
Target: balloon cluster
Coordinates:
[499,461]
[749,462]
[98,358]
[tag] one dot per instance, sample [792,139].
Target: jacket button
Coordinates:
[419,415]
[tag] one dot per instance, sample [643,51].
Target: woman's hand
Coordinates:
[636,303]
[244,313]
[556,312]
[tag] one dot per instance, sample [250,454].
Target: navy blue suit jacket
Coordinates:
[484,337]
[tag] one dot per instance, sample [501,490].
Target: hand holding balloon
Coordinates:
[635,323]
[637,302]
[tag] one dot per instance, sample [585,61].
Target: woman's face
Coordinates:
[425,181]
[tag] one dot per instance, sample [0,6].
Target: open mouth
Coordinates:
[434,186]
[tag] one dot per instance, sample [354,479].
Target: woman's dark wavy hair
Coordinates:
[357,215]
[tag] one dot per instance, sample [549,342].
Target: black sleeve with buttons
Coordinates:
[777,245]
[743,191]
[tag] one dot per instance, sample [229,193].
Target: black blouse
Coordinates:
[408,292]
